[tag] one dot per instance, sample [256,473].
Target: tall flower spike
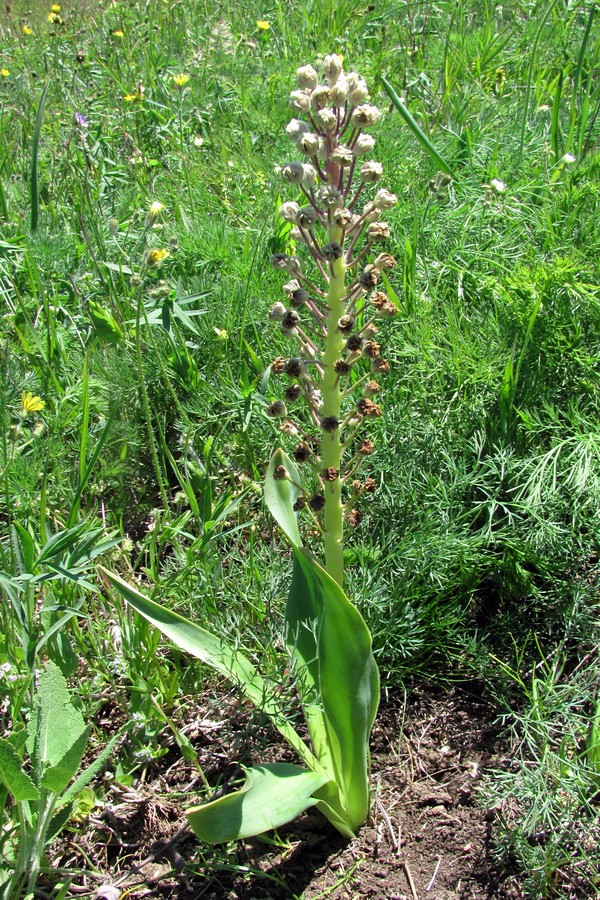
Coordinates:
[333,335]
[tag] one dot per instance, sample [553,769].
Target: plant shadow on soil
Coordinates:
[427,836]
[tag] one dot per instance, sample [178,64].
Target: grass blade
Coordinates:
[34,177]
[415,128]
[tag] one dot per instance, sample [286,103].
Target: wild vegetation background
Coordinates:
[139,146]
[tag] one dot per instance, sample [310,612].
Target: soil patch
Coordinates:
[428,835]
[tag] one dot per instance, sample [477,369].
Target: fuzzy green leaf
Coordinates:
[272,795]
[13,777]
[281,494]
[57,777]
[59,725]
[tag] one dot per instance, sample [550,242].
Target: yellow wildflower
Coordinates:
[181,80]
[54,18]
[262,25]
[155,209]
[55,8]
[156,256]
[139,96]
[118,33]
[4,72]
[30,404]
[27,30]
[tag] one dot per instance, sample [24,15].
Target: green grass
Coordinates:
[481,541]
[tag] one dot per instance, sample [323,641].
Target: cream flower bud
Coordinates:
[309,144]
[365,116]
[332,68]
[371,172]
[309,175]
[289,211]
[326,118]
[296,235]
[277,312]
[293,172]
[384,199]
[342,218]
[385,261]
[300,101]
[364,144]
[352,79]
[359,94]
[343,156]
[307,217]
[307,78]
[291,287]
[322,151]
[328,196]
[295,128]
[339,92]
[320,96]
[378,231]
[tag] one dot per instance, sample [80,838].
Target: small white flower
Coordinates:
[320,96]
[293,172]
[326,118]
[498,185]
[359,94]
[289,211]
[277,312]
[295,128]
[300,101]
[568,158]
[339,92]
[365,116]
[364,144]
[307,78]
[332,68]
[308,143]
[309,175]
[371,171]
[384,199]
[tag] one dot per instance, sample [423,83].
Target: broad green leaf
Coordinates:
[347,679]
[281,494]
[217,653]
[57,777]
[58,724]
[272,795]
[105,325]
[12,775]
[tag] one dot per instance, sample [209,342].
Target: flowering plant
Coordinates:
[333,371]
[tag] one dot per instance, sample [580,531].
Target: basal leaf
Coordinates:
[281,494]
[348,683]
[12,775]
[216,652]
[60,724]
[57,777]
[272,795]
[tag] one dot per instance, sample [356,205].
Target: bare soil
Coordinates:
[428,836]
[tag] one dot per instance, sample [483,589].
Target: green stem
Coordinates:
[332,447]
[146,405]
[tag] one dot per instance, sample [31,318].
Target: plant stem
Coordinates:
[332,447]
